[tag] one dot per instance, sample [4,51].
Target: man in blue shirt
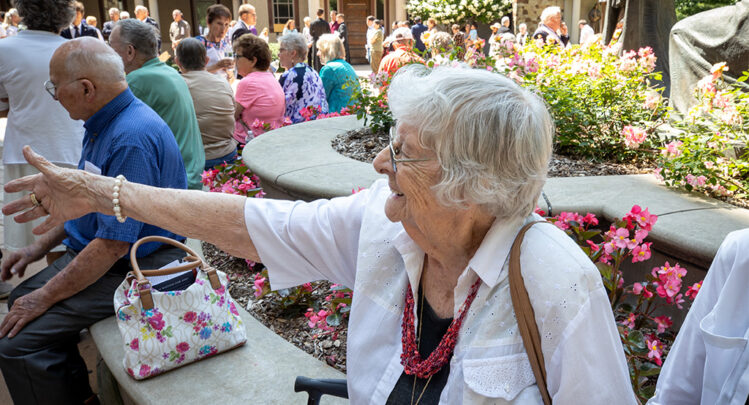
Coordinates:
[416,31]
[39,335]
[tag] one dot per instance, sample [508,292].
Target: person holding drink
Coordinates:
[218,48]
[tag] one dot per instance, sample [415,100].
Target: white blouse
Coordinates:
[350,241]
[709,362]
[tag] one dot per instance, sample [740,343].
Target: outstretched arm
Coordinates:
[67,194]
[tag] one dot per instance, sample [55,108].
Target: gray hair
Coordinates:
[124,15]
[191,54]
[522,25]
[306,19]
[101,64]
[331,47]
[46,15]
[493,139]
[442,42]
[113,10]
[504,20]
[140,35]
[140,8]
[296,42]
[550,12]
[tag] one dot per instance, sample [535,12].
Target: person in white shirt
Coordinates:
[586,32]
[34,117]
[429,245]
[709,361]
[370,32]
[10,22]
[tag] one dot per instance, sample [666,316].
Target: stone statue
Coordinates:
[699,41]
[646,23]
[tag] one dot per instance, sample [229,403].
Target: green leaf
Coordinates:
[334,319]
[648,369]
[604,269]
[167,332]
[637,339]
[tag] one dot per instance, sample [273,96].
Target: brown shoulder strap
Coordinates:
[525,316]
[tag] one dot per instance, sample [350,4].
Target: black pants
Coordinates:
[41,365]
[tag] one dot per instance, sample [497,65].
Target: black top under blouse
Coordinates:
[432,329]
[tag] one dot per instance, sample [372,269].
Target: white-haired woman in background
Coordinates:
[11,21]
[429,244]
[301,84]
[338,76]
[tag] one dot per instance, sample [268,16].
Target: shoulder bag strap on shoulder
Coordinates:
[525,316]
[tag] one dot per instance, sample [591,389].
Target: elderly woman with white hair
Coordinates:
[338,76]
[426,250]
[301,85]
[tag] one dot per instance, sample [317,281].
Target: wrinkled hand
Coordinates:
[226,63]
[64,194]
[15,263]
[25,309]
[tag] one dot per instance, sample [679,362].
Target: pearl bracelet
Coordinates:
[116,198]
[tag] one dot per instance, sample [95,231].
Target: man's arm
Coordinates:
[87,267]
[15,263]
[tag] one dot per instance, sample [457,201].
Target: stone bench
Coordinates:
[260,372]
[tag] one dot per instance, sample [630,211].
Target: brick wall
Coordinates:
[529,11]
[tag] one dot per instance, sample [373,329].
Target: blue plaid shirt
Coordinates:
[127,137]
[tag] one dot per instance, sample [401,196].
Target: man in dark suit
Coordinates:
[114,16]
[317,28]
[79,28]
[343,33]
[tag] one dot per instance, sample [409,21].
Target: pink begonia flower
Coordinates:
[259,285]
[621,238]
[695,181]
[693,290]
[664,322]
[647,58]
[590,219]
[706,86]
[641,253]
[652,100]
[627,63]
[676,300]
[640,235]
[637,288]
[672,149]
[633,136]
[655,349]
[644,219]
[629,321]
[657,173]
[593,246]
[709,165]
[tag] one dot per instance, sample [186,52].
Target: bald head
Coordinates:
[88,57]
[87,75]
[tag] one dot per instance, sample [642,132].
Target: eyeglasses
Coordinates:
[394,152]
[52,88]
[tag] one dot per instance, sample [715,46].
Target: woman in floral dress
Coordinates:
[301,85]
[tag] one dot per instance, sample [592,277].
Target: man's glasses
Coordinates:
[394,152]
[52,88]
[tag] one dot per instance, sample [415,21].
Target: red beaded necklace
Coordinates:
[410,358]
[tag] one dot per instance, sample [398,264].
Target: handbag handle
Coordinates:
[525,316]
[194,261]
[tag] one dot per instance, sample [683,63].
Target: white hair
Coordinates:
[550,12]
[505,19]
[296,42]
[522,25]
[307,19]
[140,8]
[493,139]
[124,15]
[114,10]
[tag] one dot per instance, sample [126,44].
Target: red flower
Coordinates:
[183,347]
[190,317]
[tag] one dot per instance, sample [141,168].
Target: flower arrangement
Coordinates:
[448,11]
[646,336]
[710,155]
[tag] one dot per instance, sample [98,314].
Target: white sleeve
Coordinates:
[301,242]
[682,375]
[589,365]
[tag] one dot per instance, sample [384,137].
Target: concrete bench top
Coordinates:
[299,162]
[260,372]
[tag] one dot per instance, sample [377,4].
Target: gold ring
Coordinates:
[34,201]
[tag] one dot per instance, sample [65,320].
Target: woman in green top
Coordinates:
[338,77]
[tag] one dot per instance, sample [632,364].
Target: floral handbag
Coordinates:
[165,330]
